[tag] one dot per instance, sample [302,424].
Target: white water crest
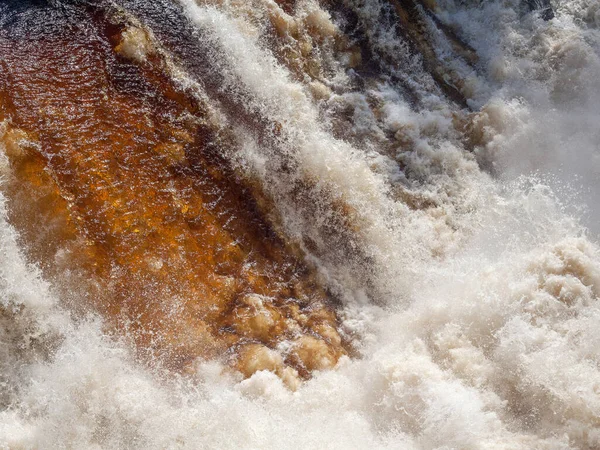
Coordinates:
[475,318]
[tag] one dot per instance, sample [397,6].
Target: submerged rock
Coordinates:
[543,6]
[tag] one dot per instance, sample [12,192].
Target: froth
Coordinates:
[471,299]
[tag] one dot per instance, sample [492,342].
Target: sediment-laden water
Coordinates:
[299,224]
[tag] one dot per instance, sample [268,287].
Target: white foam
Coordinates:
[475,315]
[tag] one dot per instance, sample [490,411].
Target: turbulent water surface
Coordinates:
[308,224]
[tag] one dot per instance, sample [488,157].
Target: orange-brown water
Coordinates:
[186,168]
[116,179]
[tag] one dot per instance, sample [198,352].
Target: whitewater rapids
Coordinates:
[470,283]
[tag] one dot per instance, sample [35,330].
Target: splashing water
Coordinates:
[459,238]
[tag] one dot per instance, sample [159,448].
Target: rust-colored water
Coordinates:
[116,184]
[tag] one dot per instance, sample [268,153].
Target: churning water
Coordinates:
[437,164]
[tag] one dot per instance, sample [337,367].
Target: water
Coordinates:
[459,239]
